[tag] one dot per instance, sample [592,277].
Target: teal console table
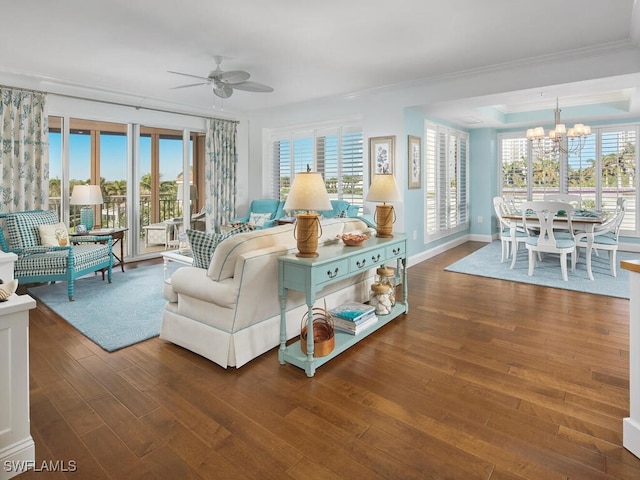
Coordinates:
[335,262]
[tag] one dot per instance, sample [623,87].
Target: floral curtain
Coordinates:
[221,160]
[24,159]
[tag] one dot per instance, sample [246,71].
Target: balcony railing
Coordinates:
[114,211]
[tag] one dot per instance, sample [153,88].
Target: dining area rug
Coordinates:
[113,315]
[485,262]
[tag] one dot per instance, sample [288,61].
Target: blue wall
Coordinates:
[483,180]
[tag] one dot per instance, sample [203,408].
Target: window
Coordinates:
[335,152]
[603,171]
[446,181]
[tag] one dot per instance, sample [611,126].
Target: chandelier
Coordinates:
[562,141]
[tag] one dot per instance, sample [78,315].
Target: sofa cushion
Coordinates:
[55,263]
[52,235]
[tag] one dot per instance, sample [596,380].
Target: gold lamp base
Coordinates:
[306,233]
[384,218]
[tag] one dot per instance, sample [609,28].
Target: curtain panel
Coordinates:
[220,172]
[24,159]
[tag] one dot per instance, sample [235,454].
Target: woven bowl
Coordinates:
[354,239]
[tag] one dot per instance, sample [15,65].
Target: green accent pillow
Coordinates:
[202,247]
[204,244]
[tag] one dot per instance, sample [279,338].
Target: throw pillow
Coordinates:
[342,214]
[241,228]
[202,247]
[54,235]
[259,219]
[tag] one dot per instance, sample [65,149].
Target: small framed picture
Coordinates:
[381,154]
[414,162]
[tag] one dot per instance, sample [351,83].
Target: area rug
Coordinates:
[114,315]
[485,262]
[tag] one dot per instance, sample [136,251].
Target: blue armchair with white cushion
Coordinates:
[46,253]
[341,209]
[263,213]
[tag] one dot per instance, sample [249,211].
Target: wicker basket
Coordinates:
[324,339]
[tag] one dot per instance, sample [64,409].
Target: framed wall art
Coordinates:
[414,167]
[381,154]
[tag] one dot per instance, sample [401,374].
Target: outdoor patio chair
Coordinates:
[41,261]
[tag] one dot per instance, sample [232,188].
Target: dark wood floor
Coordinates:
[483,379]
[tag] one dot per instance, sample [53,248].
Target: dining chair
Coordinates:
[605,237]
[574,200]
[509,232]
[551,239]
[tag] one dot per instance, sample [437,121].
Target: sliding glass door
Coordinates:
[102,153]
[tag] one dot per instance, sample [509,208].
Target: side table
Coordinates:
[183,258]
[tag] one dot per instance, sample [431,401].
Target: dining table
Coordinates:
[581,221]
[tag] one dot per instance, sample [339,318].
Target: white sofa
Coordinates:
[230,313]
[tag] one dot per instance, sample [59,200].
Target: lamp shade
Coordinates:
[383,189]
[308,192]
[86,195]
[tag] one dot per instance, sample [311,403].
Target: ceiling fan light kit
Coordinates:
[224,83]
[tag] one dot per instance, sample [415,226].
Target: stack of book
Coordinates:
[353,317]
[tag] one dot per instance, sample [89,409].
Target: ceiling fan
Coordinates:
[224,83]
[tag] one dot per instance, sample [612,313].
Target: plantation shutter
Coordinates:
[352,166]
[430,181]
[446,181]
[335,152]
[281,177]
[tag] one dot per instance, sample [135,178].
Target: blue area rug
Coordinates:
[485,262]
[113,315]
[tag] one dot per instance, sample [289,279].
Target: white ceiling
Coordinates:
[122,50]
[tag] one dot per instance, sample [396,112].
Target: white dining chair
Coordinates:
[574,200]
[605,237]
[511,236]
[550,240]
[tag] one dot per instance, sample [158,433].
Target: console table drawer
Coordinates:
[367,260]
[396,251]
[333,271]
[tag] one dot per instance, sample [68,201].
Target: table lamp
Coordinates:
[308,192]
[384,189]
[86,195]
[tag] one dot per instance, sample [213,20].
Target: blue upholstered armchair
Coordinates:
[40,260]
[263,213]
[341,208]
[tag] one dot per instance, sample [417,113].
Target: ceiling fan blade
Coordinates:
[190,85]
[234,76]
[223,91]
[190,75]
[252,87]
